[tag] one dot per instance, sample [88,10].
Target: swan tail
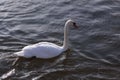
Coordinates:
[20,53]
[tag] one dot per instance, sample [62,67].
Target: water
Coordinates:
[94,47]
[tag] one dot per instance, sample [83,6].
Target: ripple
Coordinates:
[94,47]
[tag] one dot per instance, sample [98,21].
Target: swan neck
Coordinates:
[65,43]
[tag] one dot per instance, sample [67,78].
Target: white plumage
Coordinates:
[46,50]
[41,50]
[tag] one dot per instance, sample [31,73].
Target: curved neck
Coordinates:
[65,42]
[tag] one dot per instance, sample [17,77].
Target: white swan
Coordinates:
[46,50]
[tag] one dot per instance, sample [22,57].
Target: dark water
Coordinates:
[94,47]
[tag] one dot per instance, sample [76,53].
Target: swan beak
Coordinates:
[74,24]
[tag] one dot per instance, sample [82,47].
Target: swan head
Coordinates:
[71,23]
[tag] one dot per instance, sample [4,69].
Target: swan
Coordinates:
[47,50]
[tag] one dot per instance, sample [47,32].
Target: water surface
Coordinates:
[94,47]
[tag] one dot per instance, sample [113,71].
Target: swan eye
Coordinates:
[74,24]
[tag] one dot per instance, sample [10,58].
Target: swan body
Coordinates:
[46,50]
[41,50]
